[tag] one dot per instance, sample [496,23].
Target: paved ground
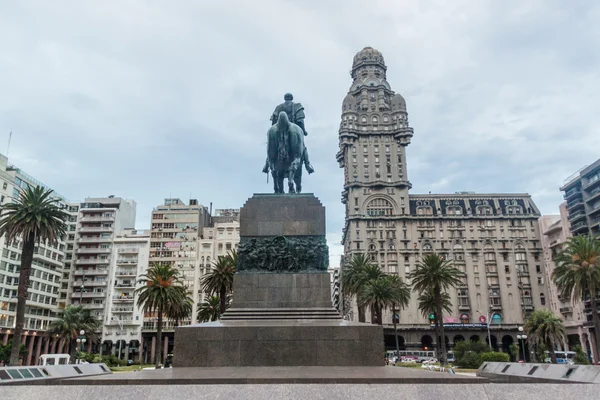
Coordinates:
[487,391]
[275,375]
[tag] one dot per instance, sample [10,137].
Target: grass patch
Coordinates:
[130,368]
[465,370]
[408,365]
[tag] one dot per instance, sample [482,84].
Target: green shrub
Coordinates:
[580,357]
[113,361]
[469,360]
[494,356]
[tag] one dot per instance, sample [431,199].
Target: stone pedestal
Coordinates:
[281,314]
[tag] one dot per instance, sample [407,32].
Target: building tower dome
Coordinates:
[367,59]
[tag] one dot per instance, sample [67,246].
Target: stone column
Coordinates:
[141,350]
[166,350]
[152,349]
[24,338]
[54,343]
[38,350]
[5,339]
[46,345]
[30,349]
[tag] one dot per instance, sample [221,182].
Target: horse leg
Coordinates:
[298,179]
[280,178]
[290,176]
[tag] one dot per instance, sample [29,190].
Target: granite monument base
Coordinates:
[279,343]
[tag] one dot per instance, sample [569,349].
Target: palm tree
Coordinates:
[427,306]
[180,311]
[220,279]
[547,329]
[383,292]
[577,275]
[355,274]
[210,309]
[70,322]
[33,217]
[435,274]
[162,293]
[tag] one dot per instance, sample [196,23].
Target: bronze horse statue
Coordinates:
[285,154]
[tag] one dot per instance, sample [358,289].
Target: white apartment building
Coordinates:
[122,325]
[98,221]
[46,275]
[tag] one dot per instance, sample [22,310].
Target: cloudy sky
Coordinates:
[153,99]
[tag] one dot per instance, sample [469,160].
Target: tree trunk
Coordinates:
[550,347]
[438,348]
[395,331]
[223,299]
[361,314]
[159,337]
[378,316]
[439,317]
[596,323]
[26,260]
[73,348]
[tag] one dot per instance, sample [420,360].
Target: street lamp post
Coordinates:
[522,336]
[489,320]
[81,341]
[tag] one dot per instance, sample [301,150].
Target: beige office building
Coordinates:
[218,239]
[493,238]
[556,230]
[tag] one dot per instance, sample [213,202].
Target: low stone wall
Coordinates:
[530,372]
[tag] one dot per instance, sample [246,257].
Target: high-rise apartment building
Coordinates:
[122,325]
[493,239]
[218,239]
[46,274]
[556,230]
[99,221]
[582,193]
[174,234]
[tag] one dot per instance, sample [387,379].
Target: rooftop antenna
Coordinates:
[9,138]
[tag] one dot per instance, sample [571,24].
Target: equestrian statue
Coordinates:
[286,151]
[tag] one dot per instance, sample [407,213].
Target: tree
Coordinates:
[545,328]
[210,310]
[220,279]
[70,322]
[434,273]
[427,306]
[577,275]
[383,292]
[163,292]
[180,311]
[468,354]
[33,217]
[580,357]
[355,275]
[5,352]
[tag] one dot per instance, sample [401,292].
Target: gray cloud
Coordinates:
[147,100]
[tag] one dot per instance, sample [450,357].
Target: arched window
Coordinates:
[542,299]
[386,118]
[375,120]
[372,247]
[379,207]
[427,247]
[364,119]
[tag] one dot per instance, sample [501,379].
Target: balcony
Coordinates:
[527,307]
[94,240]
[97,219]
[464,307]
[94,306]
[123,322]
[97,271]
[576,216]
[128,250]
[121,310]
[579,227]
[127,261]
[89,283]
[575,204]
[96,250]
[491,271]
[570,194]
[122,299]
[495,307]
[592,182]
[92,261]
[566,310]
[84,295]
[126,273]
[594,194]
[130,285]
[90,229]
[595,222]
